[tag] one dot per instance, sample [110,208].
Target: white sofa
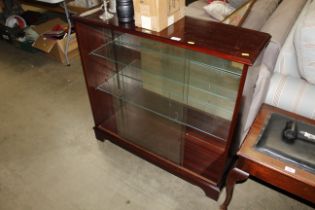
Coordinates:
[259,14]
[292,85]
[275,17]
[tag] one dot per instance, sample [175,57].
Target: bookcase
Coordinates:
[171,97]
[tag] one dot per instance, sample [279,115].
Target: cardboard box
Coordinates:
[55,47]
[156,15]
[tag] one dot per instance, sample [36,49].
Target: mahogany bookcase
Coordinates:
[174,97]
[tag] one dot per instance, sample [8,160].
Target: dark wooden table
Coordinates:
[284,175]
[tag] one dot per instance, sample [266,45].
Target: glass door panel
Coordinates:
[160,90]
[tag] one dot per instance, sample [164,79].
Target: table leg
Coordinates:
[235,175]
[69,32]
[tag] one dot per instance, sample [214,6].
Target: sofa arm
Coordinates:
[260,13]
[258,88]
[270,55]
[282,20]
[292,94]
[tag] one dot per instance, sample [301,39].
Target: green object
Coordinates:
[26,46]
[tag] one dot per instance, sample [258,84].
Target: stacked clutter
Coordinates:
[13,28]
[15,25]
[52,39]
[12,25]
[33,31]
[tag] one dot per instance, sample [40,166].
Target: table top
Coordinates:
[285,175]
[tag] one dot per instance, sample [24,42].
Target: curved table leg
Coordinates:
[235,175]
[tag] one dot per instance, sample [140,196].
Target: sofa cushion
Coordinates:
[199,4]
[287,60]
[259,14]
[256,18]
[239,15]
[237,3]
[219,9]
[196,10]
[291,94]
[257,82]
[278,26]
[305,44]
[281,21]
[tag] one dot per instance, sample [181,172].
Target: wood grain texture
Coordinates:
[224,41]
[204,158]
[95,70]
[235,175]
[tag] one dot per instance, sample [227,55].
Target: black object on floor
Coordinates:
[10,34]
[272,142]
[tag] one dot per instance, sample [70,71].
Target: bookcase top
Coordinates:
[225,41]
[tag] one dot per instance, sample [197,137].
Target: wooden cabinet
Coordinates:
[172,97]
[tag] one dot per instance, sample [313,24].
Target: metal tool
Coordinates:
[291,133]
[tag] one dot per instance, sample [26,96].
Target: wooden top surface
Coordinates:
[224,41]
[248,151]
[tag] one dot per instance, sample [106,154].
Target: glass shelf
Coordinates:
[190,88]
[195,75]
[207,62]
[153,47]
[181,104]
[152,132]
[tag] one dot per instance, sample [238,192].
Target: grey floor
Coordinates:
[49,158]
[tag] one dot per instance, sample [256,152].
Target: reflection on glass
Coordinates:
[186,87]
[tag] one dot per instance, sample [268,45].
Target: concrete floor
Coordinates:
[49,158]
